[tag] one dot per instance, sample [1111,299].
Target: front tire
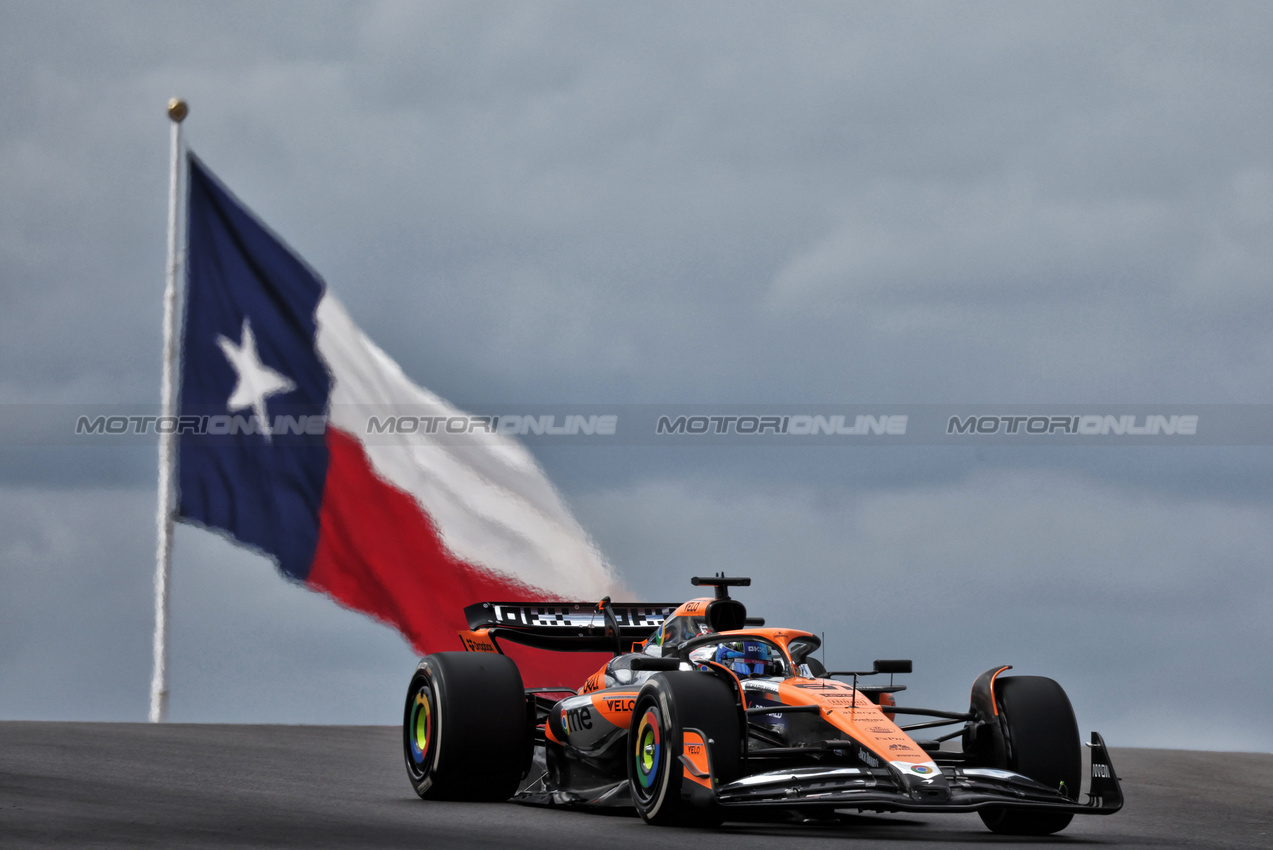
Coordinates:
[1043,744]
[465,734]
[667,705]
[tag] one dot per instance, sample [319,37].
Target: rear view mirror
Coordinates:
[892,665]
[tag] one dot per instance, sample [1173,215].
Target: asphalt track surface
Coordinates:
[135,785]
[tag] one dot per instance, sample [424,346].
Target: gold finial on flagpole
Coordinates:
[178,110]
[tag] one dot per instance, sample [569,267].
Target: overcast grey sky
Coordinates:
[682,203]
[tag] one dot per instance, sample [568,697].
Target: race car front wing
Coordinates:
[963,789]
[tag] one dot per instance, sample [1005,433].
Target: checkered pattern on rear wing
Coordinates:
[566,617]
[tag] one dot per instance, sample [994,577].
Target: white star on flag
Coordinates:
[257,382]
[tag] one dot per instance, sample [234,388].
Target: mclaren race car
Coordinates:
[704,715]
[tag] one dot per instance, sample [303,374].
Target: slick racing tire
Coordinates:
[465,732]
[1043,744]
[669,703]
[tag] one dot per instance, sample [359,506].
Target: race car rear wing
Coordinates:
[561,626]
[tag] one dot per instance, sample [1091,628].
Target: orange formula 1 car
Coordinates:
[714,717]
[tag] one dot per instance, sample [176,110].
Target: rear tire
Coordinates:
[668,704]
[465,734]
[1043,744]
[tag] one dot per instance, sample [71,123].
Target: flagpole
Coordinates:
[177,111]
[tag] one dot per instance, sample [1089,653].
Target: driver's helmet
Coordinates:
[746,658]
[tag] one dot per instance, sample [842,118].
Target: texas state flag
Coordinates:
[408,528]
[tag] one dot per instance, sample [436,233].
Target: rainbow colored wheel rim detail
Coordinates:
[421,725]
[648,752]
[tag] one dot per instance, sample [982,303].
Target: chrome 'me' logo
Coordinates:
[574,719]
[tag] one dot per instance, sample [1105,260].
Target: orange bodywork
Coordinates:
[595,682]
[692,608]
[994,702]
[694,751]
[852,712]
[478,641]
[843,706]
[616,706]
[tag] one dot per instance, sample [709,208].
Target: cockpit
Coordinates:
[749,657]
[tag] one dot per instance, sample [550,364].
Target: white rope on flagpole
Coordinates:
[177,111]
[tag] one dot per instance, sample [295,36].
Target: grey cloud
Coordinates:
[713,202]
[1111,592]
[1116,595]
[75,614]
[246,645]
[612,196]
